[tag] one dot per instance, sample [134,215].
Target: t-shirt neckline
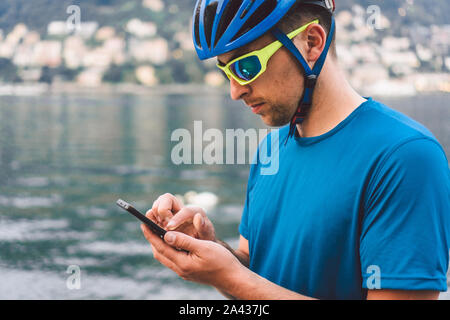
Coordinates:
[304,141]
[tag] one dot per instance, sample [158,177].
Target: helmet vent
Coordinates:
[263,11]
[249,6]
[197,24]
[228,14]
[210,14]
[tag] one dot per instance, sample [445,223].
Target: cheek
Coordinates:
[282,83]
[288,87]
[288,78]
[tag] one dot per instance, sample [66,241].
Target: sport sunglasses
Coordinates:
[249,67]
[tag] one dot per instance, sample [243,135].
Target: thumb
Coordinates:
[181,241]
[204,227]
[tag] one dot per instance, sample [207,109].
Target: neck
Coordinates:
[333,100]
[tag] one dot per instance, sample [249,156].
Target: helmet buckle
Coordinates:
[310,81]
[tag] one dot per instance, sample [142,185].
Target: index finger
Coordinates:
[169,200]
[165,206]
[184,215]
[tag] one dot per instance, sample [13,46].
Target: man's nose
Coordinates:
[238,91]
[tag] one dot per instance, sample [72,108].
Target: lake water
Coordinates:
[66,159]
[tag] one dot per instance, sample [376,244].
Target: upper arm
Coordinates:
[402,295]
[243,246]
[243,252]
[405,229]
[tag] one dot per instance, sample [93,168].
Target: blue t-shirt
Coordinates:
[363,206]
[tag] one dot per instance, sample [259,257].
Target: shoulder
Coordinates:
[384,132]
[420,156]
[390,125]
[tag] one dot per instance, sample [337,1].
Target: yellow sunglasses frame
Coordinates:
[263,56]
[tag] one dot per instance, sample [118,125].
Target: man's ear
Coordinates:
[316,38]
[311,43]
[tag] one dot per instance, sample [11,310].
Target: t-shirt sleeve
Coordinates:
[405,229]
[264,162]
[243,226]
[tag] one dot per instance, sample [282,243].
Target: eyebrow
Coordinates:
[238,53]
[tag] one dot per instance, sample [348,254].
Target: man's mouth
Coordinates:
[256,107]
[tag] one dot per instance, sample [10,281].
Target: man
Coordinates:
[359,208]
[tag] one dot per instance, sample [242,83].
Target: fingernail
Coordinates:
[169,237]
[171,224]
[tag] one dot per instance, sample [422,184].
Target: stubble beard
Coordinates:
[279,115]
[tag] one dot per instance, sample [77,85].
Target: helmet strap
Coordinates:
[310,76]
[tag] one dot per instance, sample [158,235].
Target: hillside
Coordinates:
[148,42]
[36,14]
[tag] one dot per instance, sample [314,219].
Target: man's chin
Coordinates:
[267,120]
[271,122]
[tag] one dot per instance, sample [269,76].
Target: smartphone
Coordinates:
[153,226]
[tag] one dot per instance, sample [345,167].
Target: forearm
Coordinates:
[243,259]
[244,284]
[247,285]
[241,256]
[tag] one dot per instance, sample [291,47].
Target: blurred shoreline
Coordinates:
[37,89]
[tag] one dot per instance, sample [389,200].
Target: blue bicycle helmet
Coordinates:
[221,26]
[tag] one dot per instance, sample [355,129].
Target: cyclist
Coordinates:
[359,208]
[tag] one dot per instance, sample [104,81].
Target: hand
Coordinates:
[206,262]
[169,212]
[164,208]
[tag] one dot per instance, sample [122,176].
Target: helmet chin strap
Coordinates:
[310,76]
